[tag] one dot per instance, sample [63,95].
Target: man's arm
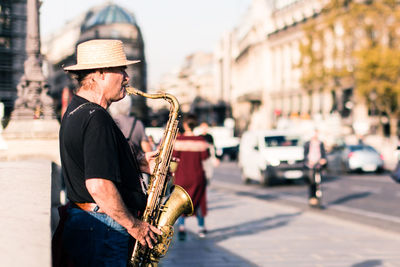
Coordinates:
[107,197]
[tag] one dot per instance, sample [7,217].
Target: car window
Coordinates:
[356,148]
[362,147]
[371,149]
[274,141]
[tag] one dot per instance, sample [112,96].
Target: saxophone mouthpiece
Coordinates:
[131,90]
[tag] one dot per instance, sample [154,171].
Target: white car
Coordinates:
[226,145]
[351,158]
[269,155]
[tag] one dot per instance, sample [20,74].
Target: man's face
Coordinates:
[116,79]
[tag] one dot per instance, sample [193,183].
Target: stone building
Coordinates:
[194,85]
[107,21]
[12,49]
[242,65]
[258,66]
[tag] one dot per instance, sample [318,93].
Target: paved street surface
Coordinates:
[25,234]
[245,231]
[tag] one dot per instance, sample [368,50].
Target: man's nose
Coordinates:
[126,76]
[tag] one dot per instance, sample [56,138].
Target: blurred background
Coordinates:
[264,74]
[241,64]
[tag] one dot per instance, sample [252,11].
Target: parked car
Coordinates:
[226,145]
[271,155]
[350,158]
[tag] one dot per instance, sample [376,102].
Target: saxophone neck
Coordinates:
[170,98]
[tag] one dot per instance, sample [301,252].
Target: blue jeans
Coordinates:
[199,215]
[95,239]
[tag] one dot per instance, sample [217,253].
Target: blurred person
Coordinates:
[191,151]
[131,127]
[212,162]
[104,186]
[204,131]
[314,161]
[153,144]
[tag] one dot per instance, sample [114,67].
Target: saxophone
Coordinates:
[160,212]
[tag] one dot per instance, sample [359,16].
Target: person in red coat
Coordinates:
[191,150]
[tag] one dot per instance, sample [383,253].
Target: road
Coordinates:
[370,199]
[251,225]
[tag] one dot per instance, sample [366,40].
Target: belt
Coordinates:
[89,207]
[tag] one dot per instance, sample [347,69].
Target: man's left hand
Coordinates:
[148,162]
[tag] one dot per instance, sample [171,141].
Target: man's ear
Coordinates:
[101,74]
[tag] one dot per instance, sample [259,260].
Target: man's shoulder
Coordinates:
[90,109]
[91,113]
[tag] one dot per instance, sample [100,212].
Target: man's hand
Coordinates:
[148,162]
[107,197]
[144,233]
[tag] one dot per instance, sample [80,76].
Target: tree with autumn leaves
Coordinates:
[357,43]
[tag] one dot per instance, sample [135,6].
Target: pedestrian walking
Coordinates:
[102,177]
[152,143]
[191,151]
[132,128]
[212,162]
[314,161]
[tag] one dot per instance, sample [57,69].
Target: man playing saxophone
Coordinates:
[104,185]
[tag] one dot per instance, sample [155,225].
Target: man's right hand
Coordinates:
[107,197]
[144,233]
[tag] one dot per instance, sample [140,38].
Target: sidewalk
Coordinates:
[244,231]
[25,233]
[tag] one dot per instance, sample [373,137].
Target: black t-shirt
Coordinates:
[92,146]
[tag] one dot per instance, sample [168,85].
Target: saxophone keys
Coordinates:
[164,240]
[168,231]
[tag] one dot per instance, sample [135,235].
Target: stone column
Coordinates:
[33,115]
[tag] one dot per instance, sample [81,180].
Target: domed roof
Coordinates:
[107,15]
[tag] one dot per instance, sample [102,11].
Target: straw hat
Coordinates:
[96,54]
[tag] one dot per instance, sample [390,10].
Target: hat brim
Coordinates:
[100,66]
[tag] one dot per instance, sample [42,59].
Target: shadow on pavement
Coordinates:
[368,263]
[220,207]
[251,227]
[349,197]
[201,252]
[195,251]
[256,195]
